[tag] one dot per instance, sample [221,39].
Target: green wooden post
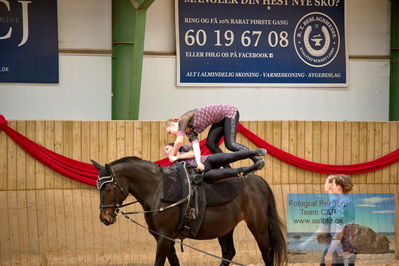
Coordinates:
[128,29]
[394,73]
[123,14]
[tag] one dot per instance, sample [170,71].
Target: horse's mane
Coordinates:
[132,159]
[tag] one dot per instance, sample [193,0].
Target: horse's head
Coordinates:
[113,191]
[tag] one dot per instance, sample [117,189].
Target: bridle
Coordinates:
[102,180]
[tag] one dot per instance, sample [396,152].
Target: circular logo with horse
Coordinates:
[316,39]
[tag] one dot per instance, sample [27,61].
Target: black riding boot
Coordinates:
[248,169]
[259,153]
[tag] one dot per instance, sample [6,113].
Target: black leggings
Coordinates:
[212,164]
[227,128]
[338,260]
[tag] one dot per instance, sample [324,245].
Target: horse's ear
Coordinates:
[107,168]
[98,166]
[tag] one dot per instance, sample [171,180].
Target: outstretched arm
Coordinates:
[177,144]
[182,156]
[197,155]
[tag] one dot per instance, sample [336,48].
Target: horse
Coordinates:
[143,179]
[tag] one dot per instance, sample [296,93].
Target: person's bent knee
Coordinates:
[232,146]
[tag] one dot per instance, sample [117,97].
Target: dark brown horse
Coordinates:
[255,205]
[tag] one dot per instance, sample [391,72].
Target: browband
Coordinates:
[101,181]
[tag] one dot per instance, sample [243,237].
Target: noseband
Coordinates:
[101,181]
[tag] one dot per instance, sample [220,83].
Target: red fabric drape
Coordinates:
[86,173]
[359,168]
[80,171]
[77,170]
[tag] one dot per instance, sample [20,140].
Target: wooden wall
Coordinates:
[48,219]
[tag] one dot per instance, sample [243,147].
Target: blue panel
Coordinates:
[28,41]
[248,41]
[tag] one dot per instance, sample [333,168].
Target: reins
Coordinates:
[157,210]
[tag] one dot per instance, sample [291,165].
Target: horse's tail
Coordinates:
[275,230]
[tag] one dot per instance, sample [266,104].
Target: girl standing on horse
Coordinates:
[222,118]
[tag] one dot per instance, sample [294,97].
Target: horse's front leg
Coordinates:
[172,257]
[163,248]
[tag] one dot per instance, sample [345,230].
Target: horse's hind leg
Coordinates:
[259,230]
[227,244]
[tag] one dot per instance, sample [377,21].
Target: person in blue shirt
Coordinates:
[341,241]
[337,231]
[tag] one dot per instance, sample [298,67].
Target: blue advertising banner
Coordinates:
[261,43]
[28,41]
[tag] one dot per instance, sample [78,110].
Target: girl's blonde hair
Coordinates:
[344,181]
[169,122]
